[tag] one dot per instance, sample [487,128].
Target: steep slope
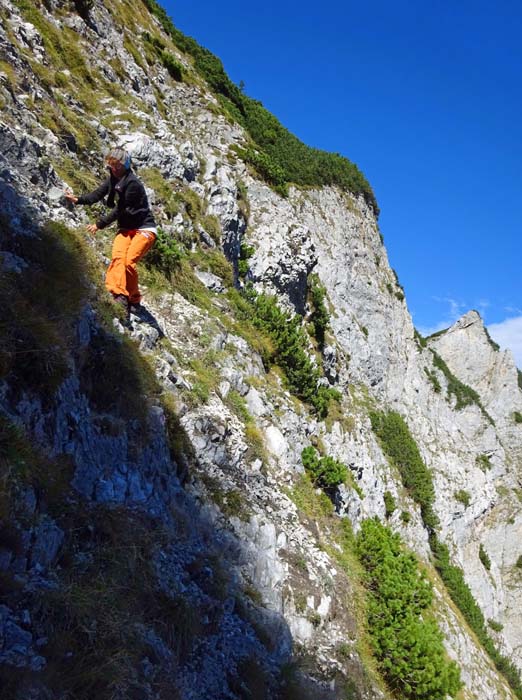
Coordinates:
[183,501]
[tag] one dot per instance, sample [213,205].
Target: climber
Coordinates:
[136,226]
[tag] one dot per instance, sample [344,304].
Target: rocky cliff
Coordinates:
[162,534]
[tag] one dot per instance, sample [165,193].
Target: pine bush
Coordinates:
[405,638]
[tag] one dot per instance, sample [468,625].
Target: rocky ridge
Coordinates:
[240,496]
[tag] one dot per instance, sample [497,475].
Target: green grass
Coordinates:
[92,621]
[483,461]
[314,505]
[463,497]
[44,301]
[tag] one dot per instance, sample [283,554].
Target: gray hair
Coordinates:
[119,155]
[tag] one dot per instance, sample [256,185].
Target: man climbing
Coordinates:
[136,226]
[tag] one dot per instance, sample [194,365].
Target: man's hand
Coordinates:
[70,196]
[92,228]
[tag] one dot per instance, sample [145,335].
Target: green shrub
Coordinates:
[290,341]
[400,448]
[404,635]
[517,417]
[325,472]
[166,253]
[464,394]
[434,380]
[493,344]
[266,167]
[405,517]
[245,253]
[390,504]
[174,68]
[38,322]
[463,497]
[496,626]
[484,558]
[483,461]
[519,562]
[453,578]
[421,342]
[519,378]
[83,7]
[278,155]
[320,317]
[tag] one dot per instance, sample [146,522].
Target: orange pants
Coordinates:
[127,249]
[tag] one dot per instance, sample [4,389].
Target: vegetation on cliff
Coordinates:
[400,447]
[405,637]
[279,155]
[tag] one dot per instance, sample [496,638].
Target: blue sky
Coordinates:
[426,98]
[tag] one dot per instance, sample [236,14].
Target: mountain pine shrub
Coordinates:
[464,394]
[325,472]
[421,342]
[173,66]
[460,593]
[400,448]
[320,317]
[290,341]
[277,154]
[493,344]
[404,635]
[496,626]
[165,254]
[245,253]
[390,504]
[463,497]
[483,461]
[484,557]
[434,380]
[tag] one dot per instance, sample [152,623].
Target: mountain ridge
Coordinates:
[230,460]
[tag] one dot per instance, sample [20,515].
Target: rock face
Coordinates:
[234,566]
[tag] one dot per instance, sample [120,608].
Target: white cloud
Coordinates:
[455,311]
[456,308]
[508,334]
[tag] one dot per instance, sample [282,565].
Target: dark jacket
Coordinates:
[132,210]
